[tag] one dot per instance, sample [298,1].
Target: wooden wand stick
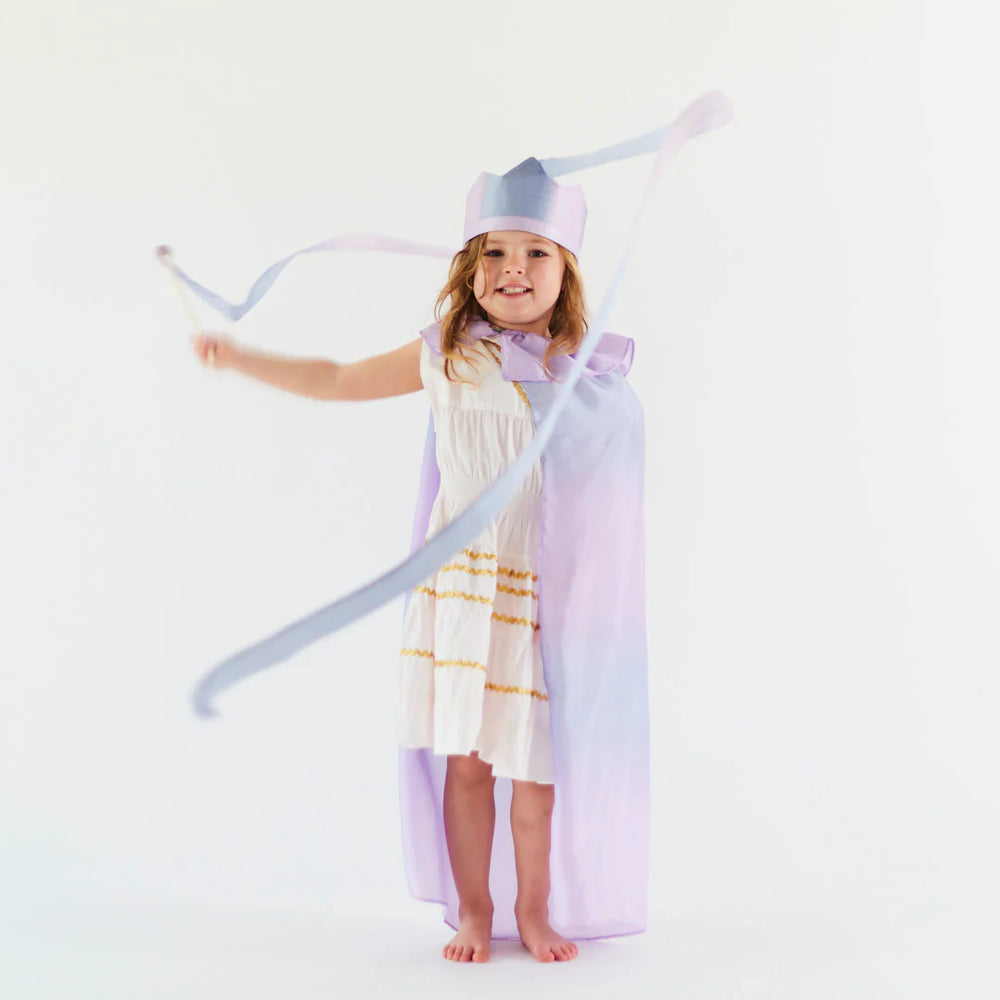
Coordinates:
[165,256]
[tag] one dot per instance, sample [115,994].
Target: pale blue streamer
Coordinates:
[348,241]
[698,117]
[709,111]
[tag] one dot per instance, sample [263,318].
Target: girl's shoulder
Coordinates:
[432,336]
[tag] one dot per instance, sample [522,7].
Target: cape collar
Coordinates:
[521,353]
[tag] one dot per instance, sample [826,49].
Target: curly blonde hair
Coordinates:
[568,324]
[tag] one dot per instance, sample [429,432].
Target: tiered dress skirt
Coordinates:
[470,675]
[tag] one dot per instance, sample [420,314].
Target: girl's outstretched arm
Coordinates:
[391,374]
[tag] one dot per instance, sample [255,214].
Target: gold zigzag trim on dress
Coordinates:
[438,594]
[507,689]
[468,569]
[474,664]
[405,651]
[480,599]
[490,686]
[515,621]
[518,574]
[460,663]
[489,572]
[505,570]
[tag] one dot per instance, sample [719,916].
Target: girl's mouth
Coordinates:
[514,294]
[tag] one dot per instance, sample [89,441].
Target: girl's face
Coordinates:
[518,259]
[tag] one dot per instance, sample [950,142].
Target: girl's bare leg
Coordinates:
[469,819]
[531,824]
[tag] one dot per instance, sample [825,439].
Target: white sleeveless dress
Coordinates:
[469,675]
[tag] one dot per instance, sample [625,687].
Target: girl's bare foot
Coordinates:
[541,940]
[472,942]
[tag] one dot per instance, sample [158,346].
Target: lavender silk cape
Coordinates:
[592,628]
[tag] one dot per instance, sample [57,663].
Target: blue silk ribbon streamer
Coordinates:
[709,111]
[347,241]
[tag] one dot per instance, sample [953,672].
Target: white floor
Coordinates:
[144,950]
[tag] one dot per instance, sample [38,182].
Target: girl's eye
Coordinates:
[490,252]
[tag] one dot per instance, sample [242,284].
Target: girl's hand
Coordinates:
[215,349]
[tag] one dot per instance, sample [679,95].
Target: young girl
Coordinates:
[521,695]
[470,681]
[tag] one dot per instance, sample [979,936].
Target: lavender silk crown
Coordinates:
[527,198]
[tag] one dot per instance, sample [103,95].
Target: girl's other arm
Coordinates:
[391,374]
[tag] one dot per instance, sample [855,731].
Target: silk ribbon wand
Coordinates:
[165,256]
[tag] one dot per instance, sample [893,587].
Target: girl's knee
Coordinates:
[532,799]
[469,768]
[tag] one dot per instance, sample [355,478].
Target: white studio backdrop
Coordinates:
[811,300]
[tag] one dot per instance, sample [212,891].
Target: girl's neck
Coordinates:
[502,329]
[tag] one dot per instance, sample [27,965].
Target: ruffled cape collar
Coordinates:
[521,352]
